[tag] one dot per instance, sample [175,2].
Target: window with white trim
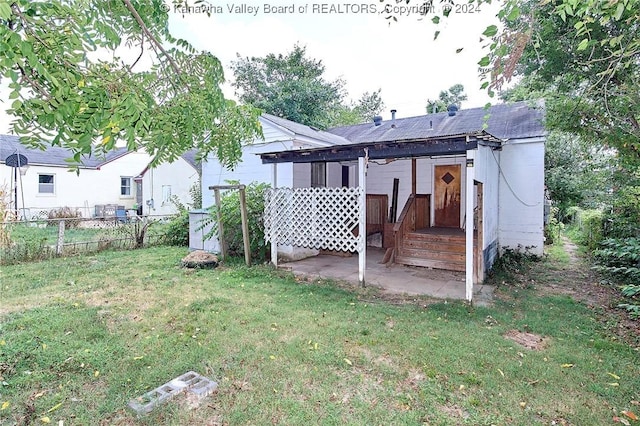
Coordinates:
[46,184]
[125,186]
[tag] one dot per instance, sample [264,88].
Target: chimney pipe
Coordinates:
[452,109]
[377,120]
[393,118]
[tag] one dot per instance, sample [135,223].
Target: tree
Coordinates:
[368,106]
[453,96]
[293,86]
[65,92]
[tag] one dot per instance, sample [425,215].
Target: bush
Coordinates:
[620,260]
[176,232]
[624,219]
[232,221]
[589,224]
[553,230]
[71,217]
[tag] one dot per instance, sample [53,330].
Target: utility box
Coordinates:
[200,224]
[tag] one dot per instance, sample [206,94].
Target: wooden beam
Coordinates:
[216,192]
[453,146]
[413,175]
[245,227]
[362,252]
[274,236]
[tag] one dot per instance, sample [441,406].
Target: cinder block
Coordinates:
[190,381]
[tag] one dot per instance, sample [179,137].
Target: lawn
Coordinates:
[81,336]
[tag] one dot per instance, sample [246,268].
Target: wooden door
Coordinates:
[447,183]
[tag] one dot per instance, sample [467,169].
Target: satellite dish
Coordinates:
[16,160]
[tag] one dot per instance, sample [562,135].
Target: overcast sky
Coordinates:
[359,46]
[354,41]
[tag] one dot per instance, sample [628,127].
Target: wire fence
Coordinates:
[40,239]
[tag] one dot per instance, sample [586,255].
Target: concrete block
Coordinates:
[190,382]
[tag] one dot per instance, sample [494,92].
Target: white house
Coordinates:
[115,180]
[467,185]
[158,187]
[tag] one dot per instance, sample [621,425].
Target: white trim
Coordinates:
[470,175]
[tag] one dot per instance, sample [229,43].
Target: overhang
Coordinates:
[449,145]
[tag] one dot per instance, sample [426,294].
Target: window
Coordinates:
[166,193]
[125,186]
[318,175]
[46,184]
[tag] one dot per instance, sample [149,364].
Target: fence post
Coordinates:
[60,242]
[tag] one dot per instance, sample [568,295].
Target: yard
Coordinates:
[81,336]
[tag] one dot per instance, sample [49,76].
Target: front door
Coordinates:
[447,196]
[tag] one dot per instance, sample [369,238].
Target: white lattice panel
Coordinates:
[320,218]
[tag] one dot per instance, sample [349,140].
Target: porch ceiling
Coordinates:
[452,145]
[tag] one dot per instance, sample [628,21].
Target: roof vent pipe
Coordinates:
[452,109]
[393,118]
[377,120]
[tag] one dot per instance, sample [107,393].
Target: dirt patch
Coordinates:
[454,411]
[528,340]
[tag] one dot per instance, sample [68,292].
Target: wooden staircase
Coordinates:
[432,249]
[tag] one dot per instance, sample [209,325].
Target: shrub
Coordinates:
[589,224]
[71,217]
[553,230]
[624,217]
[232,221]
[620,260]
[176,232]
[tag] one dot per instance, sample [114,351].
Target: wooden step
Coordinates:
[448,246]
[430,263]
[432,254]
[455,238]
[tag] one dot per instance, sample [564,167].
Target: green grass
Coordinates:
[80,337]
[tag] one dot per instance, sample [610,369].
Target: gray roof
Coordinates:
[53,155]
[304,130]
[506,121]
[190,157]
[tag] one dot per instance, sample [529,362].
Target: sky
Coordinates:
[354,41]
[362,47]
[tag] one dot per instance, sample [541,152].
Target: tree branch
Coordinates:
[154,40]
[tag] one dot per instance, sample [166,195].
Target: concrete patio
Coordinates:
[397,279]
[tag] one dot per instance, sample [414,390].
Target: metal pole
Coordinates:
[15,190]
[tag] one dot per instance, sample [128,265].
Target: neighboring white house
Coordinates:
[159,187]
[47,183]
[478,182]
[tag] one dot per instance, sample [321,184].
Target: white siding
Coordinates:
[178,177]
[522,195]
[250,169]
[487,173]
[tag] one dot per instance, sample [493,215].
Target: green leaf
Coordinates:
[583,44]
[490,31]
[619,11]
[436,34]
[484,62]
[514,14]
[5,11]
[435,19]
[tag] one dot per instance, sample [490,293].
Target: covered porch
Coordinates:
[433,228]
[391,279]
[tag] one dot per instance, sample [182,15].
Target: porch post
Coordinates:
[470,176]
[362,235]
[273,236]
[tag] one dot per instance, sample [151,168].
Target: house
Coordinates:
[160,187]
[113,180]
[462,186]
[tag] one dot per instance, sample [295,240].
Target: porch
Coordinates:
[392,278]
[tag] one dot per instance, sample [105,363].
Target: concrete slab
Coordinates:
[395,279]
